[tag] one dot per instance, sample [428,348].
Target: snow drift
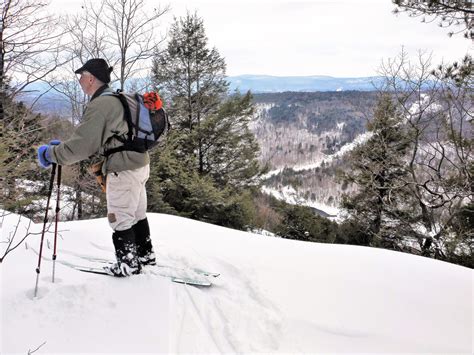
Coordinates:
[273,295]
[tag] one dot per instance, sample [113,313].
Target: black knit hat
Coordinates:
[97,67]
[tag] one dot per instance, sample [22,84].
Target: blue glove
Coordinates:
[44,156]
[43,153]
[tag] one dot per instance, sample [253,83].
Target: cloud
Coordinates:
[312,37]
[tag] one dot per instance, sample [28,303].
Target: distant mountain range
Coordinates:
[268,83]
[53,102]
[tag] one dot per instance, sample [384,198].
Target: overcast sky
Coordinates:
[339,38]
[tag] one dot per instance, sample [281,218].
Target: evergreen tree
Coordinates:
[378,170]
[460,246]
[20,134]
[301,223]
[208,166]
[229,148]
[192,77]
[459,13]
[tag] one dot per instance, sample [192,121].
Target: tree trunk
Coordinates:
[79,202]
[200,152]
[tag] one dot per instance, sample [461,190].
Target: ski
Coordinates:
[155,270]
[177,279]
[193,269]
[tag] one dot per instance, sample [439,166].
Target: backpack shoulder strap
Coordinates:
[128,118]
[127,113]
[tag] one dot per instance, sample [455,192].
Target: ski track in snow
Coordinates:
[211,312]
[204,314]
[259,313]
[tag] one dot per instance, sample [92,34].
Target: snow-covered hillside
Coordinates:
[294,196]
[290,195]
[273,295]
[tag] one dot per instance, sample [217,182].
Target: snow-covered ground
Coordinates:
[273,296]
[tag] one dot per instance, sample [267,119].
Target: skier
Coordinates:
[126,172]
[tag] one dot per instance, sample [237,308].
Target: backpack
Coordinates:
[146,120]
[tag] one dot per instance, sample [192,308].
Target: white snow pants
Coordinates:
[126,197]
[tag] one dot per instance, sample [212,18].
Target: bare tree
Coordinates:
[415,185]
[30,44]
[85,40]
[439,116]
[125,32]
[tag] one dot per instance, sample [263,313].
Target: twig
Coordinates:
[32,351]
[12,238]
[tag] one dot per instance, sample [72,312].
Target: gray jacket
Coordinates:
[102,119]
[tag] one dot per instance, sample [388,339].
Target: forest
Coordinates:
[407,186]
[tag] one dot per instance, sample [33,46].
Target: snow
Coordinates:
[340,125]
[68,210]
[290,195]
[274,296]
[424,104]
[346,148]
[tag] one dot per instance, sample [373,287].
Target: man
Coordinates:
[126,171]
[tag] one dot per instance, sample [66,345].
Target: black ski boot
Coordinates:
[126,252]
[146,255]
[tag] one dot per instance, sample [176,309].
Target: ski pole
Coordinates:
[51,182]
[56,220]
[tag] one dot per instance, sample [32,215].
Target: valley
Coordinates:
[303,137]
